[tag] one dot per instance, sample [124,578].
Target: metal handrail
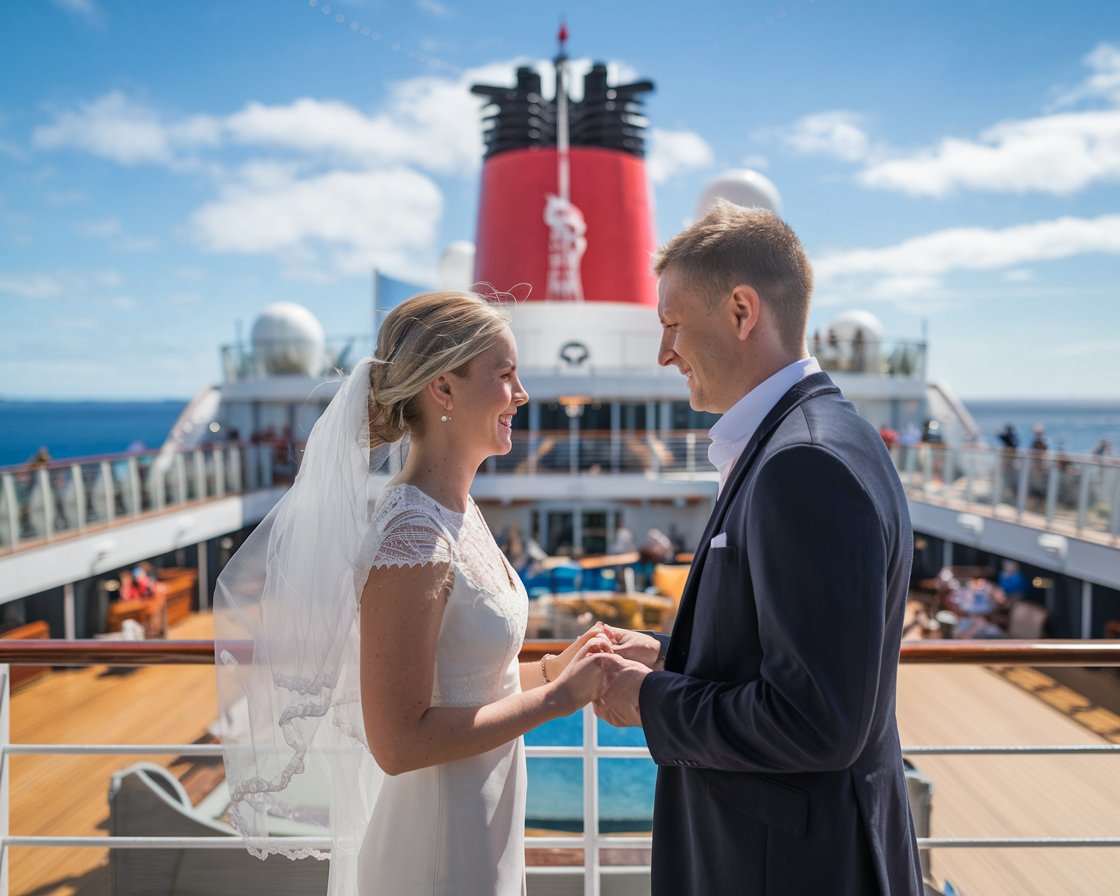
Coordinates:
[57,652]
[201,652]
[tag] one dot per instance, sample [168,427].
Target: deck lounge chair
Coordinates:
[147,800]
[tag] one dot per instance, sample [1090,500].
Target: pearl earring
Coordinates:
[445,419]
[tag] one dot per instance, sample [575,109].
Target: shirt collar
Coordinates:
[735,428]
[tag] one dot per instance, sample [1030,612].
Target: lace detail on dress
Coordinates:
[407,528]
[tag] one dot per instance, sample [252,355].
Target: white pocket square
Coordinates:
[720,541]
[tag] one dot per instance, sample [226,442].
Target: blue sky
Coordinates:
[167,169]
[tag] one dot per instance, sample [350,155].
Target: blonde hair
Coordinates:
[425,336]
[733,245]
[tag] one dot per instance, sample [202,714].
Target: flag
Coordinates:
[388,293]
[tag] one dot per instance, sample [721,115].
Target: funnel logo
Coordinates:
[574,354]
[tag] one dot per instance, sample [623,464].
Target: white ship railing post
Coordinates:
[591,879]
[47,497]
[199,475]
[108,491]
[180,479]
[79,496]
[11,505]
[1021,497]
[134,485]
[1114,508]
[158,479]
[233,464]
[219,472]
[1051,493]
[1086,476]
[5,792]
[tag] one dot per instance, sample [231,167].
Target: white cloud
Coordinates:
[101,229]
[31,286]
[918,264]
[430,122]
[1103,83]
[357,219]
[1057,154]
[137,244]
[12,150]
[671,152]
[85,9]
[119,128]
[836,133]
[1018,275]
[434,8]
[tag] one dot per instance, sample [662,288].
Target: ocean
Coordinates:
[83,428]
[1072,426]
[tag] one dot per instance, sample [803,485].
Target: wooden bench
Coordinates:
[150,612]
[179,586]
[32,631]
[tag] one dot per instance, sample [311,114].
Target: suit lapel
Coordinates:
[809,387]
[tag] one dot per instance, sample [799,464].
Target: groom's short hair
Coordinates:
[732,245]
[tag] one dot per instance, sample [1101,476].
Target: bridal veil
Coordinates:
[286,645]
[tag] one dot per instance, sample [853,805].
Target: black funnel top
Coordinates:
[519,117]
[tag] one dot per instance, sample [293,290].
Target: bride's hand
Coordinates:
[586,676]
[555,665]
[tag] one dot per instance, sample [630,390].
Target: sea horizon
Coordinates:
[82,427]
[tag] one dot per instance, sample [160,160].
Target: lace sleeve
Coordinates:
[411,537]
[407,531]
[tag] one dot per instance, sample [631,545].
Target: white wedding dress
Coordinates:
[456,828]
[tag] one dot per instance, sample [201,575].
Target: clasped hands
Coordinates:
[622,659]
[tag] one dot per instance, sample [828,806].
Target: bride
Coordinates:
[369,641]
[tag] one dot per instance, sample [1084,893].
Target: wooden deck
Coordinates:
[68,795]
[974,796]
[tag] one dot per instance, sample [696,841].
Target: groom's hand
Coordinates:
[636,646]
[618,704]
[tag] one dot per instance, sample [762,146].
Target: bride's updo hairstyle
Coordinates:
[425,336]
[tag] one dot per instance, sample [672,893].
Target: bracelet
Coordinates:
[544,668]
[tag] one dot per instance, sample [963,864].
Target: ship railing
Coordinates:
[1047,489]
[263,358]
[591,841]
[897,359]
[42,503]
[597,452]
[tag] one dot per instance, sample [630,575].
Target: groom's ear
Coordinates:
[746,306]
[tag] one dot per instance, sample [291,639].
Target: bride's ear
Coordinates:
[439,390]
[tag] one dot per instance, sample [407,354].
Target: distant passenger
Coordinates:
[1009,436]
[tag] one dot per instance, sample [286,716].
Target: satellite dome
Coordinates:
[743,187]
[287,338]
[846,323]
[456,267]
[853,341]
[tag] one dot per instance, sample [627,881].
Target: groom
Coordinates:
[770,712]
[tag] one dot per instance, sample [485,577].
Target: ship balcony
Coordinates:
[1014,785]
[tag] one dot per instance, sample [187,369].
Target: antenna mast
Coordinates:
[567,239]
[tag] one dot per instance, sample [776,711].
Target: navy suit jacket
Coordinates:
[773,725]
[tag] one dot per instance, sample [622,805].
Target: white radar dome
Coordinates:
[743,187]
[287,338]
[456,267]
[853,341]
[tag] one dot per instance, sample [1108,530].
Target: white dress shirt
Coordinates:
[734,429]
